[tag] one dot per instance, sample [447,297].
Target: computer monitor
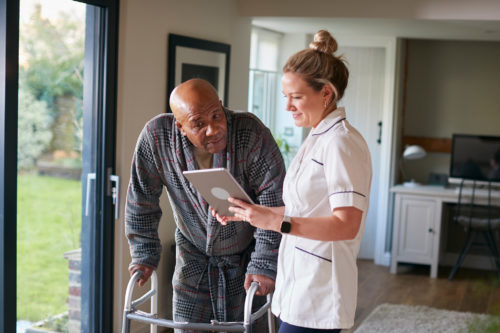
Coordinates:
[475,158]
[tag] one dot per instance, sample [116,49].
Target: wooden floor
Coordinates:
[470,290]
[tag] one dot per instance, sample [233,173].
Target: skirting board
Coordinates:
[384,260]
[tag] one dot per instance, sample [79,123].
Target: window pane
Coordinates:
[253,50]
[268,55]
[258,96]
[51,53]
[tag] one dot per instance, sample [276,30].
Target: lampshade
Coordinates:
[413,152]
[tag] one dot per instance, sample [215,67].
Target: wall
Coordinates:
[142,85]
[420,9]
[452,87]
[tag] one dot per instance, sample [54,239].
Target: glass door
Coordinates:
[49,170]
[62,239]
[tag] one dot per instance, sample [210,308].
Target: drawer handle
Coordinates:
[431,230]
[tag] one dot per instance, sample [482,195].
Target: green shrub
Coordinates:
[489,325]
[34,134]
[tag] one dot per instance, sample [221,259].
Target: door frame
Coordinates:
[389,121]
[101,297]
[9,74]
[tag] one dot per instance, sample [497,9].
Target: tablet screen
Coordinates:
[216,185]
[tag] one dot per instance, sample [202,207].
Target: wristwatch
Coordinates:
[286,225]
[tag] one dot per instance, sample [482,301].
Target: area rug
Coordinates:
[389,318]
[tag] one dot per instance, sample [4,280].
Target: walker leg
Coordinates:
[154,301]
[126,324]
[271,321]
[248,328]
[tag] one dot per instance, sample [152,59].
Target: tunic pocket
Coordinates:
[313,262]
[313,254]
[313,276]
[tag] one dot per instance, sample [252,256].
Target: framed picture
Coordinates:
[190,58]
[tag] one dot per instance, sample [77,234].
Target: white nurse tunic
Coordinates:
[316,284]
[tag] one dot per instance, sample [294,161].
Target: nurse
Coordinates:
[326,196]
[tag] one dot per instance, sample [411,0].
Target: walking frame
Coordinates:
[130,311]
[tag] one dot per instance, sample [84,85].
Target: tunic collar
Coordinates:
[334,117]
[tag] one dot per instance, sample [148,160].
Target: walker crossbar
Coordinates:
[143,299]
[131,313]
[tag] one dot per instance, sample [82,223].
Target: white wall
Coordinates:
[142,85]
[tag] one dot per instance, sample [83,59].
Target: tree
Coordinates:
[33,128]
[51,69]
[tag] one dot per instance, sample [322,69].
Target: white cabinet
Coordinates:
[416,231]
[417,223]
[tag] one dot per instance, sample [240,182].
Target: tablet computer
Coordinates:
[216,185]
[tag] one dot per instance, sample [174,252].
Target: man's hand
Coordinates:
[266,284]
[146,273]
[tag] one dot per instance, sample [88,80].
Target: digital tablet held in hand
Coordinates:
[216,185]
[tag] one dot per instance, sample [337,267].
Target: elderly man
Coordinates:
[214,263]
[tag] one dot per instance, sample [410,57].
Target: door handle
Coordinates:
[379,140]
[90,177]
[115,193]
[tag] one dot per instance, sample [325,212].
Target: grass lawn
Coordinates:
[48,225]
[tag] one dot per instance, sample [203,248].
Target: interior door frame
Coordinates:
[389,121]
[99,307]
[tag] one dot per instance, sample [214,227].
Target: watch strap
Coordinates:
[286,225]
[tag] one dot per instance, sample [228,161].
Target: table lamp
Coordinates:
[411,152]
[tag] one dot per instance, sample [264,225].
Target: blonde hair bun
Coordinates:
[324,42]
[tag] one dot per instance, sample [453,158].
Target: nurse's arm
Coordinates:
[343,224]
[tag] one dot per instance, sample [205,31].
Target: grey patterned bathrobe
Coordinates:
[211,259]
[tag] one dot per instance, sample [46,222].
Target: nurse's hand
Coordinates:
[266,284]
[223,219]
[268,218]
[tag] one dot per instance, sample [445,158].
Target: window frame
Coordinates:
[99,307]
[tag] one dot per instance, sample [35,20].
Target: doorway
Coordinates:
[59,229]
[364,102]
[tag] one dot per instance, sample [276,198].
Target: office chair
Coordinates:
[479,219]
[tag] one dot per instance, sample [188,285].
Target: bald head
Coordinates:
[191,95]
[199,115]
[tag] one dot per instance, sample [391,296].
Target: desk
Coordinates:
[416,230]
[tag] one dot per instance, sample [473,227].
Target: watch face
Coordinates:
[285,227]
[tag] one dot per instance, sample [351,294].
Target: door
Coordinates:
[416,229]
[57,155]
[363,100]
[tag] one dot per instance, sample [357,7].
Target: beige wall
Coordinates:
[420,9]
[452,87]
[142,86]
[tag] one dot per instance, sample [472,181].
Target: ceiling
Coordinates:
[404,28]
